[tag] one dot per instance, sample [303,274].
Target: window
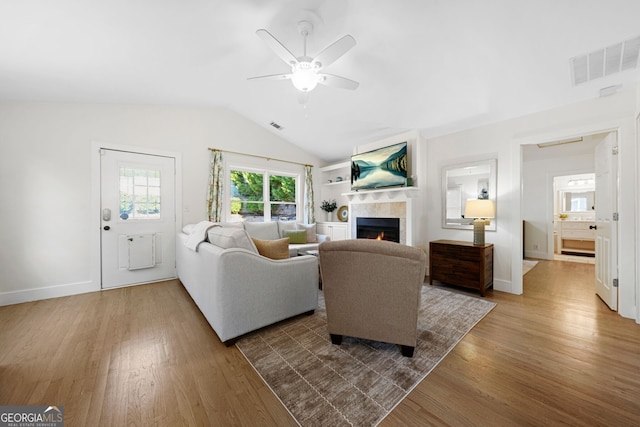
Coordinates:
[139,193]
[262,195]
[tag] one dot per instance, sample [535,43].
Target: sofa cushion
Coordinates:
[286,226]
[296,236]
[231,224]
[262,230]
[274,249]
[231,237]
[311,231]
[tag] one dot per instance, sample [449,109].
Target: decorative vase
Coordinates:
[329,215]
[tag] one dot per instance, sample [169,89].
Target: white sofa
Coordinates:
[238,290]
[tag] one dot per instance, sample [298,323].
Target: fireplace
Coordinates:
[378,228]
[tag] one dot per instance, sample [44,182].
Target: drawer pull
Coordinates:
[593,227]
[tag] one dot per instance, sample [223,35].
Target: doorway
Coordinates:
[574,217]
[544,204]
[134,203]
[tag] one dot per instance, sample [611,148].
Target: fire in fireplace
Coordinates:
[378,228]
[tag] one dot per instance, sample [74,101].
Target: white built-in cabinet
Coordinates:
[335,230]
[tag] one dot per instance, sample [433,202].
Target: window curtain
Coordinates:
[216,181]
[309,207]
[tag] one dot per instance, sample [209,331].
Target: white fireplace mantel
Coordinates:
[387,202]
[389,193]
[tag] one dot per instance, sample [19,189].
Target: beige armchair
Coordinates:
[372,290]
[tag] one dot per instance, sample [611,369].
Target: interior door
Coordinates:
[137,197]
[606,227]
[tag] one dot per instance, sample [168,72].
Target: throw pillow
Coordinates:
[231,237]
[286,225]
[274,249]
[262,230]
[311,232]
[296,237]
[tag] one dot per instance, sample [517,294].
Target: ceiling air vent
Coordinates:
[604,62]
[275,125]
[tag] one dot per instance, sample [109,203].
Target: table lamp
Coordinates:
[480,210]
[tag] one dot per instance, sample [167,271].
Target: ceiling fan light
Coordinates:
[304,77]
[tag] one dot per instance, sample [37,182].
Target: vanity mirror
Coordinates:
[473,180]
[578,201]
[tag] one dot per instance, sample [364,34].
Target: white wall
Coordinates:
[45,180]
[503,141]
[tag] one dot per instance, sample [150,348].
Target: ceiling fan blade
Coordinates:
[277,47]
[273,77]
[334,51]
[337,81]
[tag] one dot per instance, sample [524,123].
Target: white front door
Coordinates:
[606,228]
[137,198]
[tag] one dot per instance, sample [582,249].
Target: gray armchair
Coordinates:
[372,290]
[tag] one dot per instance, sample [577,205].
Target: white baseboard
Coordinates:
[502,285]
[537,254]
[17,297]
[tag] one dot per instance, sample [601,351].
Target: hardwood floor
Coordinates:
[145,355]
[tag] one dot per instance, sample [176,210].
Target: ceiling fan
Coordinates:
[306,71]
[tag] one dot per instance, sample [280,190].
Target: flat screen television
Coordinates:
[384,167]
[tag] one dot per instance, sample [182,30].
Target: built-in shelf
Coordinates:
[330,189]
[390,193]
[337,183]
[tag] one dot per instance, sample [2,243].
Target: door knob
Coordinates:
[107,228]
[593,227]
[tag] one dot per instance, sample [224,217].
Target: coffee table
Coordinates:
[315,253]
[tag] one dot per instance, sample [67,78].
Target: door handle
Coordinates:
[106,228]
[593,227]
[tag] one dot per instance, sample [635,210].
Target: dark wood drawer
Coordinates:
[462,264]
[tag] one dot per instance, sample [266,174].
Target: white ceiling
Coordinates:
[434,65]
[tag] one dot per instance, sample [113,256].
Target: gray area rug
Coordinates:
[359,382]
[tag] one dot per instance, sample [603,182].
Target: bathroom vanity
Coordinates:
[577,237]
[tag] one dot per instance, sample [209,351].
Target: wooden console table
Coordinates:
[462,264]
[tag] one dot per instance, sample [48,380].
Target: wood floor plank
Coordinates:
[555,355]
[145,355]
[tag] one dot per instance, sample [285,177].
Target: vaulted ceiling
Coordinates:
[433,65]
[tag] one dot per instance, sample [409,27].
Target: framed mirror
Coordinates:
[578,201]
[473,180]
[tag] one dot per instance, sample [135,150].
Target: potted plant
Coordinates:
[328,207]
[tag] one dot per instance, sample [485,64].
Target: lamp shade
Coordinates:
[479,208]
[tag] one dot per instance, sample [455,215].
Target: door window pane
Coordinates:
[139,193]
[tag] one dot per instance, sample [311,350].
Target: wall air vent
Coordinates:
[275,125]
[606,61]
